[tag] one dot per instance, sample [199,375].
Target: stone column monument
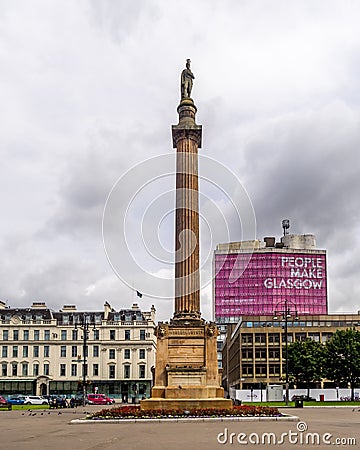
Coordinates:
[187,139]
[186,373]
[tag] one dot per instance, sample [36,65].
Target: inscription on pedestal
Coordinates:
[176,379]
[186,332]
[182,352]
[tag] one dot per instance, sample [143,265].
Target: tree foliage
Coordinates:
[306,361]
[342,358]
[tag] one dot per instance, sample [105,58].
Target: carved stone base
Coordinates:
[177,392]
[186,373]
[186,403]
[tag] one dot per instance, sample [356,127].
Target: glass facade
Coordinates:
[267,280]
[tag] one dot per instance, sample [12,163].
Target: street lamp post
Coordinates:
[286,314]
[287,357]
[84,324]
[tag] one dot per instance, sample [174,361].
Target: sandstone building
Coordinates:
[42,351]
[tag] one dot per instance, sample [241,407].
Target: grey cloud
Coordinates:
[121,18]
[308,168]
[91,89]
[89,176]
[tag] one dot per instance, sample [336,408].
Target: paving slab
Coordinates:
[52,430]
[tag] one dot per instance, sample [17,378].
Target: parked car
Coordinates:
[4,403]
[99,399]
[35,400]
[3,400]
[305,398]
[16,399]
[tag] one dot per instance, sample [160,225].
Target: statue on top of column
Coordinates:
[186,81]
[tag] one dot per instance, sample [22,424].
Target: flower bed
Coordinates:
[134,412]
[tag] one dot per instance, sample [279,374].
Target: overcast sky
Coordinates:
[89,90]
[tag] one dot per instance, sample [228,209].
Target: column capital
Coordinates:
[179,133]
[187,127]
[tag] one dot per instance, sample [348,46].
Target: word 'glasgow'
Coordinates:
[274,283]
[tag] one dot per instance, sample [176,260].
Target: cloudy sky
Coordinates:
[89,90]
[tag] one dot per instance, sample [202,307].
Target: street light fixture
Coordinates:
[83,322]
[285,314]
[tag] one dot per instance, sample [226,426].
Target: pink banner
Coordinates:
[267,281]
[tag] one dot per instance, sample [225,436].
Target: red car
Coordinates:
[4,403]
[99,399]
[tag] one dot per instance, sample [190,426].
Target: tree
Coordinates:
[306,362]
[342,358]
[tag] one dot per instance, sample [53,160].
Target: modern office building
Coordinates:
[44,351]
[254,278]
[254,350]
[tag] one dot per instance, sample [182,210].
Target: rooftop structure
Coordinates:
[253,277]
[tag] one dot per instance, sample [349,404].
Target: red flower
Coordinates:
[119,412]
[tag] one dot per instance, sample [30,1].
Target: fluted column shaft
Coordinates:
[187,140]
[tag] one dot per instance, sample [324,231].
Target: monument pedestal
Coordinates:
[186,373]
[185,403]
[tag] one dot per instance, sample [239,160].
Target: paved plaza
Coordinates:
[24,430]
